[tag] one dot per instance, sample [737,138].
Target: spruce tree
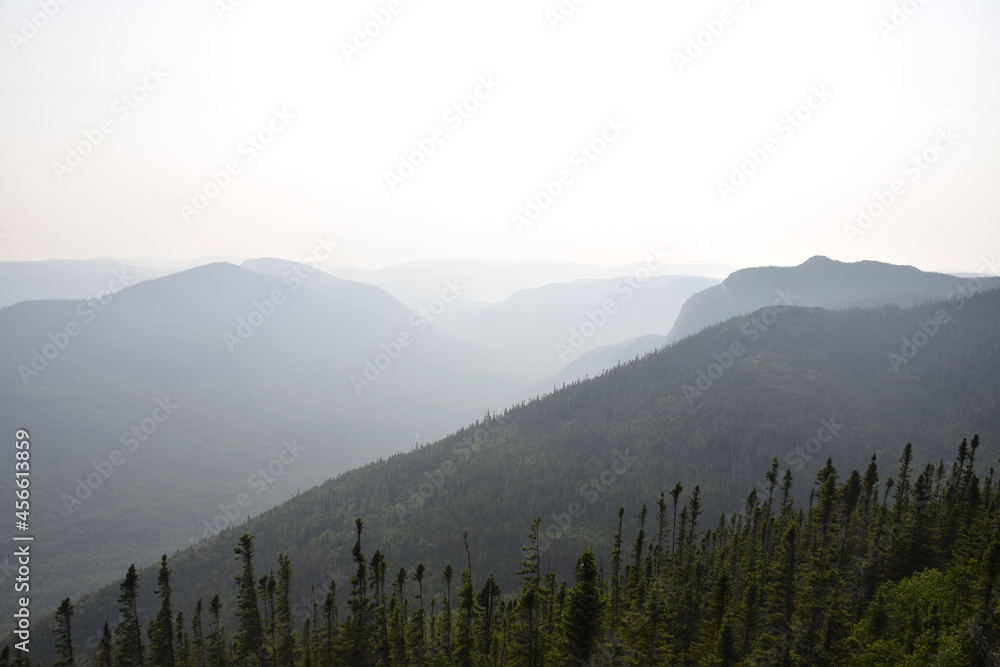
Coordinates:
[584,614]
[200,657]
[531,593]
[284,621]
[215,648]
[331,622]
[64,634]
[487,603]
[105,648]
[249,638]
[357,630]
[129,650]
[464,638]
[161,630]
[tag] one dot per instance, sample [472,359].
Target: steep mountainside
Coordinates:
[796,384]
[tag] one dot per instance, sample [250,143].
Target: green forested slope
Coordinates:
[800,371]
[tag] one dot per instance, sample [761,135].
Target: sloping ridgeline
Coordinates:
[803,384]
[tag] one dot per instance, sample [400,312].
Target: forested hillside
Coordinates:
[804,384]
[885,567]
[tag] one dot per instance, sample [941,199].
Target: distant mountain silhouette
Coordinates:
[818,281]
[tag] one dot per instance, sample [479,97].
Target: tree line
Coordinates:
[870,572]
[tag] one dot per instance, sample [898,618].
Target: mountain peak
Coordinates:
[819,260]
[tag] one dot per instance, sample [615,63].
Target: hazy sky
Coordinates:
[666,120]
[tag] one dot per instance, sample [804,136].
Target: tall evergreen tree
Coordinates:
[464,637]
[129,650]
[105,648]
[216,643]
[200,656]
[357,631]
[584,610]
[487,603]
[675,493]
[182,643]
[531,593]
[161,630]
[284,621]
[64,634]
[330,622]
[249,638]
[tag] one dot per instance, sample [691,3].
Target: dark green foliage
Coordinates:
[161,630]
[585,610]
[105,649]
[129,650]
[249,638]
[215,646]
[285,623]
[852,579]
[64,634]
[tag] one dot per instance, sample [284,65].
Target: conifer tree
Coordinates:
[284,621]
[464,639]
[249,637]
[64,634]
[531,593]
[161,630]
[487,604]
[200,657]
[216,642]
[105,648]
[331,621]
[584,610]
[675,493]
[357,634]
[129,650]
[182,642]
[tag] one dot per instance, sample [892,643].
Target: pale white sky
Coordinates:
[678,133]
